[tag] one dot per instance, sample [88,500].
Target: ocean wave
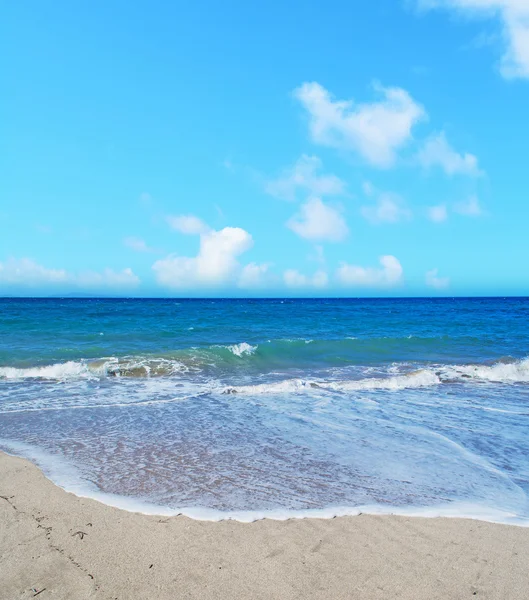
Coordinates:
[415,379]
[501,372]
[515,372]
[93,369]
[304,351]
[58,371]
[229,359]
[242,349]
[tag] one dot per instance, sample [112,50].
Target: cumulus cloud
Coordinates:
[295,279]
[388,207]
[469,207]
[514,18]
[375,130]
[437,152]
[28,273]
[389,274]
[305,176]
[188,224]
[215,265]
[318,221]
[254,275]
[137,244]
[438,213]
[433,280]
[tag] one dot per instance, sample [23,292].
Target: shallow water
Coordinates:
[274,407]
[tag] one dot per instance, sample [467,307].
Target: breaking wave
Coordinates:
[415,379]
[230,359]
[242,349]
[91,369]
[517,372]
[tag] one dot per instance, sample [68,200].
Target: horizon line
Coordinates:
[100,297]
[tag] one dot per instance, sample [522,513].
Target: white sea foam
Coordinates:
[500,372]
[87,369]
[415,379]
[508,373]
[58,371]
[242,349]
[65,475]
[516,372]
[285,386]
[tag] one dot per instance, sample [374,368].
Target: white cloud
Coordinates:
[108,278]
[436,151]
[375,130]
[438,213]
[470,207]
[295,279]
[253,275]
[433,280]
[318,221]
[215,265]
[389,208]
[27,272]
[304,175]
[390,273]
[514,17]
[188,224]
[137,244]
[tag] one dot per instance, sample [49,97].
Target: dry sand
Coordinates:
[56,545]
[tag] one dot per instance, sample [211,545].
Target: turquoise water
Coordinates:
[249,408]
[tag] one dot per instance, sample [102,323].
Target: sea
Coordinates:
[248,408]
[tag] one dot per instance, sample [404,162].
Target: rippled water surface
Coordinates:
[273,407]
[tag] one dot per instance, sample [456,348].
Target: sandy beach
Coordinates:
[56,545]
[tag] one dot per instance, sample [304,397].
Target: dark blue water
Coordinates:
[278,407]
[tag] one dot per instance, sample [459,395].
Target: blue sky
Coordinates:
[322,148]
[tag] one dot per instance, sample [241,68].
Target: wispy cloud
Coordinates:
[318,221]
[438,213]
[433,280]
[254,276]
[26,272]
[470,207]
[437,152]
[137,244]
[389,274]
[514,19]
[387,207]
[295,279]
[188,224]
[145,199]
[305,176]
[375,130]
[108,278]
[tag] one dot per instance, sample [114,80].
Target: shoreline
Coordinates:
[77,548]
[71,483]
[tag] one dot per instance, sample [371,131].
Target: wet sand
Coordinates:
[56,545]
